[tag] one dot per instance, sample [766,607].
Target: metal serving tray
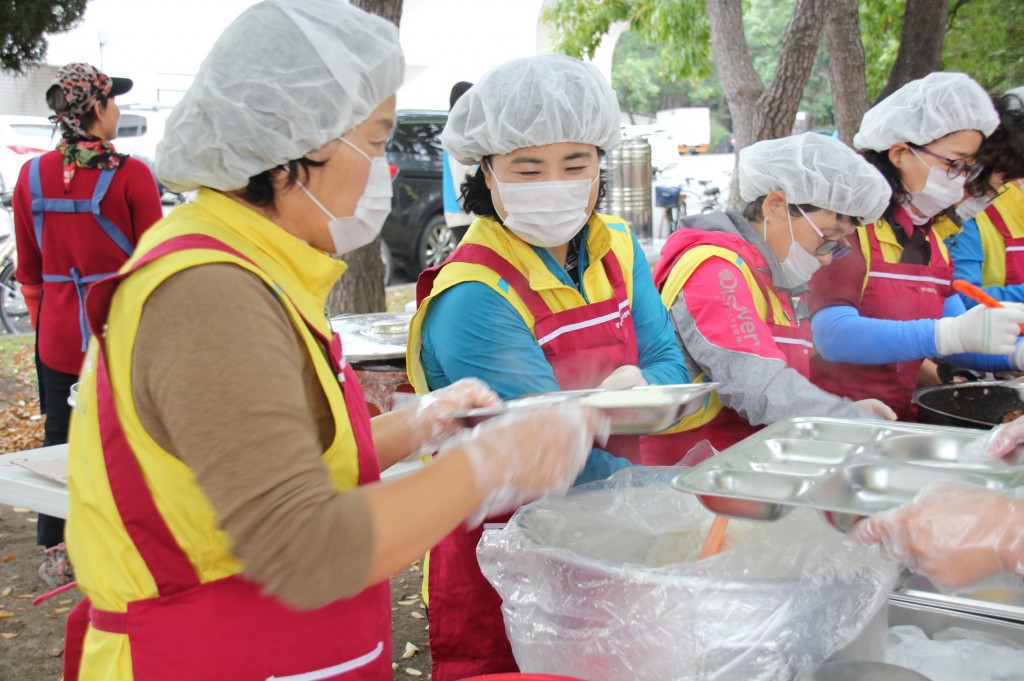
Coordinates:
[846,469]
[633,411]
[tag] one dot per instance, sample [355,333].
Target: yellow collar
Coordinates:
[314,270]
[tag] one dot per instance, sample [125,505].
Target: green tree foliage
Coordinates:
[980,42]
[24,25]
[880,24]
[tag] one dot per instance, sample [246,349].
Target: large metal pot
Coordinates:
[982,404]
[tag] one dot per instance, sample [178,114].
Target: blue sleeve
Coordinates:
[965,249]
[495,345]
[661,359]
[968,258]
[842,335]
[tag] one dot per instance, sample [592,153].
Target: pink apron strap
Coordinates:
[482,255]
[997,219]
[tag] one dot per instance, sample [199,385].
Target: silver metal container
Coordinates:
[628,195]
[846,469]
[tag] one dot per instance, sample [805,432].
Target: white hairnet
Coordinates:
[531,102]
[1019,93]
[926,109]
[817,170]
[285,78]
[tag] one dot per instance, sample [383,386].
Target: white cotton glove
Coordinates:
[1017,357]
[626,376]
[986,330]
[527,454]
[428,416]
[953,534]
[876,408]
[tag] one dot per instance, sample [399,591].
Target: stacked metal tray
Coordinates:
[846,469]
[632,411]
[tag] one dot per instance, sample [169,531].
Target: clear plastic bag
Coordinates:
[603,585]
[956,654]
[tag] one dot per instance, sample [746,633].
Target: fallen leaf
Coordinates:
[394,666]
[417,615]
[6,592]
[66,601]
[4,613]
[8,637]
[410,650]
[26,597]
[7,558]
[60,611]
[409,601]
[56,652]
[413,672]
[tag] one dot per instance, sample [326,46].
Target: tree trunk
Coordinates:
[361,290]
[847,67]
[920,53]
[758,112]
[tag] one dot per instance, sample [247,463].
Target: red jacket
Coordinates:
[76,240]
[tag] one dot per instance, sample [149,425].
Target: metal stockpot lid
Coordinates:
[857,670]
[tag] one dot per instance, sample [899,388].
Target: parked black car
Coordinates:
[415,233]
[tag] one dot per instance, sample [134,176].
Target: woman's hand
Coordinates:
[429,416]
[952,534]
[876,408]
[521,456]
[626,376]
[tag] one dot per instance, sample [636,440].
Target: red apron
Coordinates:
[728,427]
[583,346]
[897,291]
[225,629]
[1014,248]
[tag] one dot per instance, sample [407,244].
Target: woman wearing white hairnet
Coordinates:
[880,312]
[730,281]
[542,294]
[226,515]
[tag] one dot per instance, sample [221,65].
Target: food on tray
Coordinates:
[1012,415]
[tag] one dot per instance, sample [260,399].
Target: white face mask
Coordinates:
[939,193]
[971,207]
[799,265]
[545,214]
[353,231]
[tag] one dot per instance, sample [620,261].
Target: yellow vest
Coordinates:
[109,569]
[890,246]
[1010,205]
[605,233]
[681,272]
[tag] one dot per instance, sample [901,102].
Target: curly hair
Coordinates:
[260,190]
[1003,151]
[475,196]
[880,160]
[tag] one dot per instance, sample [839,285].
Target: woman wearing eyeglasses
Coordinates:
[880,312]
[731,281]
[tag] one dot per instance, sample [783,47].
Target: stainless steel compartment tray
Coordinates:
[846,469]
[633,411]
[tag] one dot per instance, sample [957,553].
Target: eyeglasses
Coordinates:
[836,248]
[955,167]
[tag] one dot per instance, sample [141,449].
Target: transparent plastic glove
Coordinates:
[521,456]
[428,418]
[1017,357]
[627,376]
[988,330]
[999,442]
[877,408]
[952,534]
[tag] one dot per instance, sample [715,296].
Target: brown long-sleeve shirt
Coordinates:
[222,380]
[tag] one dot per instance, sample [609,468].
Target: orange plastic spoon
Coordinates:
[716,537]
[976,294]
